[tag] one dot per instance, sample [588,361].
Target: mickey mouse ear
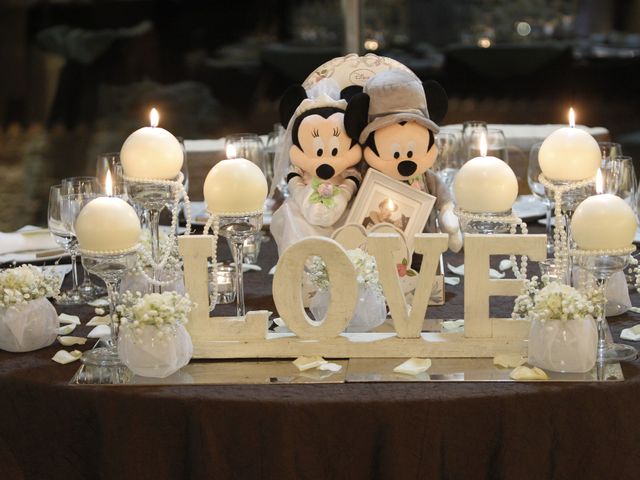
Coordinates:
[292,98]
[437,100]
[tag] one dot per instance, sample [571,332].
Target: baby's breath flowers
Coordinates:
[164,311]
[366,269]
[543,300]
[24,283]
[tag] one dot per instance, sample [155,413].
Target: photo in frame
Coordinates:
[382,199]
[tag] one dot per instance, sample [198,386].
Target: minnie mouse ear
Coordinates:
[349,92]
[437,100]
[292,98]
[356,115]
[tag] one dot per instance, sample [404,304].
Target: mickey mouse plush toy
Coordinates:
[395,119]
[321,178]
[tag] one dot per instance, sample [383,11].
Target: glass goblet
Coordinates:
[237,229]
[249,146]
[448,162]
[609,150]
[496,144]
[602,267]
[470,129]
[62,233]
[76,191]
[111,268]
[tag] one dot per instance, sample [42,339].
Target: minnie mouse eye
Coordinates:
[396,155]
[334,151]
[319,152]
[409,154]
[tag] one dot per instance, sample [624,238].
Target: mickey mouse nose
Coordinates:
[407,167]
[325,171]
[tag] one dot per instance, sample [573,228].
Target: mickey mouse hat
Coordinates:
[396,96]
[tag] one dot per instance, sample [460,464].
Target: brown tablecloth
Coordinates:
[49,430]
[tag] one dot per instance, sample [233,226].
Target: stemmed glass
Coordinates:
[249,146]
[496,144]
[60,221]
[609,150]
[75,190]
[620,179]
[538,190]
[236,229]
[603,267]
[471,129]
[448,162]
[111,268]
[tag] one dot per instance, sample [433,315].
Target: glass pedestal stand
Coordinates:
[602,265]
[152,197]
[111,268]
[236,228]
[567,195]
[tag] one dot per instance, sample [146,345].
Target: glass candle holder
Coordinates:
[225,278]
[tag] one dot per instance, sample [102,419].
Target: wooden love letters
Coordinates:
[484,336]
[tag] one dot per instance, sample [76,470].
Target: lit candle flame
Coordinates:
[599,182]
[572,118]
[390,205]
[231,151]
[154,117]
[483,145]
[108,184]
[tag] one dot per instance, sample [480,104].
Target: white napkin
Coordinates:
[28,238]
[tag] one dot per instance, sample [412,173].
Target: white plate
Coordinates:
[528,207]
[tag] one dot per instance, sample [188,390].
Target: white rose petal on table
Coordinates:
[100,331]
[66,329]
[414,366]
[65,318]
[307,363]
[632,334]
[67,341]
[330,367]
[526,373]
[98,320]
[509,360]
[63,357]
[99,302]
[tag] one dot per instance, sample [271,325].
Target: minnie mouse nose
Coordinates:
[407,167]
[325,171]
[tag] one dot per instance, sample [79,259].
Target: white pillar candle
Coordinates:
[603,222]
[235,186]
[569,154]
[152,153]
[485,184]
[107,224]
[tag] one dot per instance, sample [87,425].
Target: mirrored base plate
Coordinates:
[354,370]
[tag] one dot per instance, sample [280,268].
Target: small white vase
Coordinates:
[150,355]
[28,326]
[563,346]
[370,311]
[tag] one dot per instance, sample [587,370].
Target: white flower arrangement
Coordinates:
[163,311]
[25,283]
[543,300]
[366,269]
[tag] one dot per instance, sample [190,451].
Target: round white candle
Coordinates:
[603,222]
[485,184]
[235,186]
[569,154]
[106,224]
[152,153]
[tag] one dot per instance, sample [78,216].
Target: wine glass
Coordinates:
[76,190]
[609,150]
[59,225]
[470,129]
[110,162]
[249,146]
[496,144]
[538,190]
[620,179]
[448,162]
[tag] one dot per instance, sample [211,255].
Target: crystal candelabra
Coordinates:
[111,267]
[603,264]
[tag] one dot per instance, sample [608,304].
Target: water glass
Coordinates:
[246,145]
[609,151]
[496,144]
[619,178]
[226,281]
[471,129]
[448,162]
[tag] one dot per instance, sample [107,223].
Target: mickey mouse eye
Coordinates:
[396,155]
[334,151]
[409,154]
[319,152]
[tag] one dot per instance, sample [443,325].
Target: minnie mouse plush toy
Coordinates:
[395,119]
[320,157]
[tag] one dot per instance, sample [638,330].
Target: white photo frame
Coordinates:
[382,199]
